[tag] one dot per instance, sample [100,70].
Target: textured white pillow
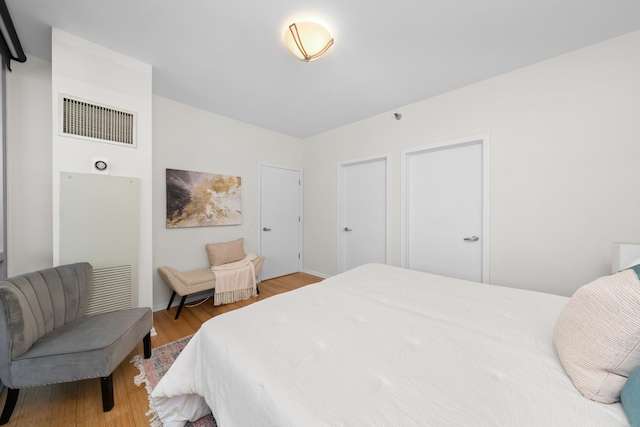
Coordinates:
[597,335]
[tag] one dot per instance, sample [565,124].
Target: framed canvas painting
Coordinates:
[197,199]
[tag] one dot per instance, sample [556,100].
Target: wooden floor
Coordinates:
[80,403]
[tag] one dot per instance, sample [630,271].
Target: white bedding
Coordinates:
[381,346]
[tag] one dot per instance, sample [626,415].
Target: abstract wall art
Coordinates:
[196,199]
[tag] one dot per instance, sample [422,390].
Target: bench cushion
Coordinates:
[188,282]
[194,281]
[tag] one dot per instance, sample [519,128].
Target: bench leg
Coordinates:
[9,405]
[173,295]
[184,298]
[146,341]
[106,384]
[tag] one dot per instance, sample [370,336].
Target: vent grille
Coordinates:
[112,289]
[87,120]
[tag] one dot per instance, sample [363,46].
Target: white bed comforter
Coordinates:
[381,346]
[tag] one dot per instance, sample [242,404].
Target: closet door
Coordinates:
[445,205]
[364,211]
[280,220]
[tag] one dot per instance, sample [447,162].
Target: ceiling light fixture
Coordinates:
[308,40]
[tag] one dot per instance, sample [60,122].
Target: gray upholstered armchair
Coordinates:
[46,338]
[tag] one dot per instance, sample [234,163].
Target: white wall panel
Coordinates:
[94,73]
[29,198]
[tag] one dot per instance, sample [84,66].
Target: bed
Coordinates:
[381,346]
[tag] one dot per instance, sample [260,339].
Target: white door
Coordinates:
[363,229]
[445,206]
[279,221]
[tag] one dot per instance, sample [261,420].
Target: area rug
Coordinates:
[153,368]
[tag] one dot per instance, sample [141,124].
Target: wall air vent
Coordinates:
[97,122]
[112,289]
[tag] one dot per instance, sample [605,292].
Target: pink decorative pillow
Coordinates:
[223,253]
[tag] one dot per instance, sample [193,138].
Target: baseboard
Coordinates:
[315,273]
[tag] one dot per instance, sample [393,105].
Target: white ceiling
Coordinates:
[228,57]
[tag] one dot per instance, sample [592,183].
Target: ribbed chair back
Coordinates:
[35,304]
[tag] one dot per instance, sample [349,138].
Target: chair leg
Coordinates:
[257,289]
[173,295]
[146,341]
[106,384]
[184,298]
[9,405]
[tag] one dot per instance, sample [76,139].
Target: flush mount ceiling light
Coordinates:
[308,40]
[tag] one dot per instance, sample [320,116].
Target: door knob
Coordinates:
[266,229]
[472,239]
[347,229]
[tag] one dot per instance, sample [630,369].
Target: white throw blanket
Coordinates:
[235,281]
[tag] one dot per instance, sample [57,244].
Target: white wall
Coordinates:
[29,201]
[565,140]
[183,138]
[91,72]
[565,144]
[191,139]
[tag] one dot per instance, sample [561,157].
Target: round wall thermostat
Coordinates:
[100,165]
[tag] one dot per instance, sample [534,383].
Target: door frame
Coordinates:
[300,206]
[3,175]
[485,143]
[340,219]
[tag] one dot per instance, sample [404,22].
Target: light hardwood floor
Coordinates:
[80,403]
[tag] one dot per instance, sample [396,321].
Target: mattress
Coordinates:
[381,346]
